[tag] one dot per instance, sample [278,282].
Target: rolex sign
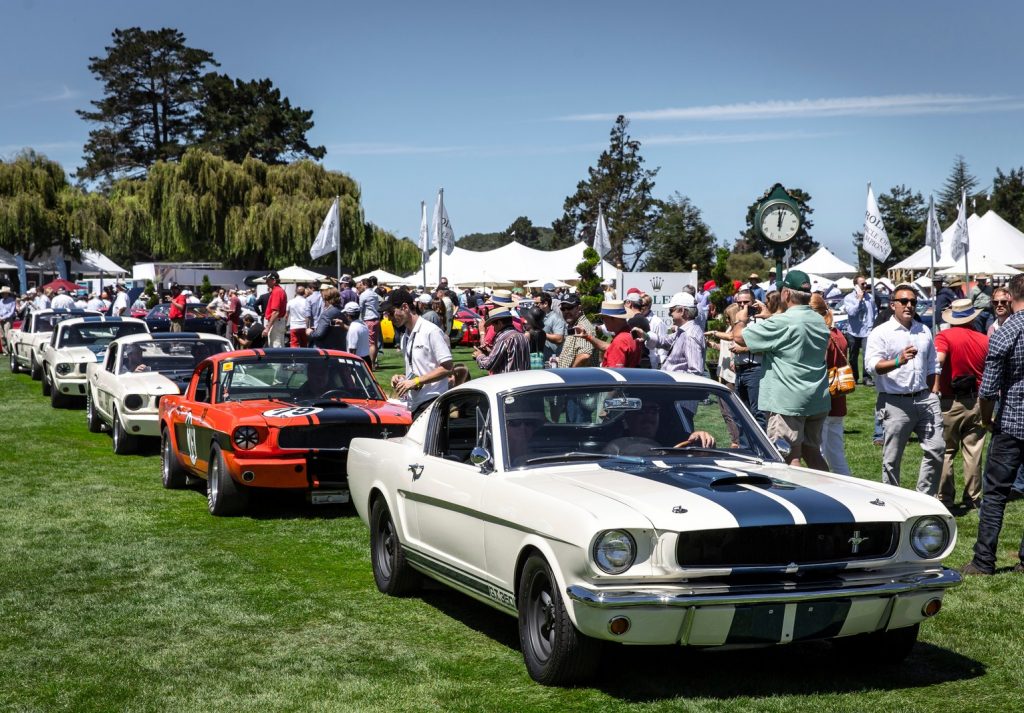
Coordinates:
[659,285]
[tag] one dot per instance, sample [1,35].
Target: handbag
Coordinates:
[840,378]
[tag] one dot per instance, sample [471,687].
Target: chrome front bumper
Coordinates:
[689,596]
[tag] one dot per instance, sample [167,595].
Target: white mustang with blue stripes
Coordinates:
[643,507]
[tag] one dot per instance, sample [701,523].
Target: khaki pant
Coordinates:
[961,424]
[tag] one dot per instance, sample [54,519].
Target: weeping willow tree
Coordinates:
[248,215]
[39,208]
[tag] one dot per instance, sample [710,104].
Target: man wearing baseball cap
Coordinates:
[275,314]
[686,347]
[794,388]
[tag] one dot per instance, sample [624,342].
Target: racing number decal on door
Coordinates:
[190,439]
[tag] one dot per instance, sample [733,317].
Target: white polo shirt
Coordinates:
[425,348]
[889,339]
[298,312]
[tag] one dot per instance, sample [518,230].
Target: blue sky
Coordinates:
[506,105]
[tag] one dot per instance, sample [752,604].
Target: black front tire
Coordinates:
[556,653]
[92,418]
[47,385]
[173,475]
[124,443]
[223,495]
[391,571]
[880,648]
[35,369]
[13,361]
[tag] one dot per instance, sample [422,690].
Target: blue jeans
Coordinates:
[1018,484]
[1005,455]
[748,386]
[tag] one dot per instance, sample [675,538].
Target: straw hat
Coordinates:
[613,308]
[498,313]
[956,282]
[960,312]
[501,297]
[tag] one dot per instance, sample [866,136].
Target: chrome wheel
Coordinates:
[213,485]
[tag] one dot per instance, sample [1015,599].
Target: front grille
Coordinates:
[782,545]
[334,435]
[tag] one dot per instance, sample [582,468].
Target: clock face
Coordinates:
[779,222]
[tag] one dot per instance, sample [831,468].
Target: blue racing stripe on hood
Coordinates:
[646,376]
[584,377]
[750,507]
[815,505]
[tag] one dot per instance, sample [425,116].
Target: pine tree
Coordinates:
[948,199]
[680,239]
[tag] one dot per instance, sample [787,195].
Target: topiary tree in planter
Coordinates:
[206,289]
[589,286]
[149,294]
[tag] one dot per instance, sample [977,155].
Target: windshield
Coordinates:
[192,311]
[97,335]
[653,422]
[168,356]
[306,379]
[46,322]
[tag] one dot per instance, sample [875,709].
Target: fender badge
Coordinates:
[679,510]
[879,503]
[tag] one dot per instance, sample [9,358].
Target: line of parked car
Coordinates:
[597,506]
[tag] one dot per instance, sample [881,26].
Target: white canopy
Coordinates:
[93,262]
[389,278]
[510,263]
[979,264]
[294,273]
[541,283]
[824,263]
[989,235]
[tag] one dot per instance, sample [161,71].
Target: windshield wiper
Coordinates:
[727,452]
[578,455]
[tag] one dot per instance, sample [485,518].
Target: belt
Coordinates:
[912,395]
[744,367]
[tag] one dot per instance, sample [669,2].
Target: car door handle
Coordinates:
[416,469]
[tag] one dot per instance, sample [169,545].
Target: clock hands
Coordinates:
[780,218]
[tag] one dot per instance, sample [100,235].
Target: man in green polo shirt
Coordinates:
[794,389]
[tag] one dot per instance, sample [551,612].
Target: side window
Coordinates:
[111,364]
[463,422]
[204,383]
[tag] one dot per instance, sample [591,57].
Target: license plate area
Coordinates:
[329,497]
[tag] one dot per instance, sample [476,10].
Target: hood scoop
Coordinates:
[711,477]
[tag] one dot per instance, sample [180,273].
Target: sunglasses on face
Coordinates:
[906,301]
[742,303]
[1001,303]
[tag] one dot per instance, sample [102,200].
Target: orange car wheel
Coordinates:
[223,495]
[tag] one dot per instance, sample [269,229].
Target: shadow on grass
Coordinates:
[650,673]
[285,505]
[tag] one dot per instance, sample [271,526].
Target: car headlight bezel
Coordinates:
[64,368]
[614,551]
[133,402]
[246,437]
[930,528]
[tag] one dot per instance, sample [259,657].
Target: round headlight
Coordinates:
[929,536]
[133,402]
[246,437]
[614,551]
[64,369]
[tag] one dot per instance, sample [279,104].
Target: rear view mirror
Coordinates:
[783,447]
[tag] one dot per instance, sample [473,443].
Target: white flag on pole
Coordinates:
[961,240]
[424,233]
[876,240]
[933,233]
[444,236]
[329,237]
[602,244]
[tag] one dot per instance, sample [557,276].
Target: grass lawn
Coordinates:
[118,595]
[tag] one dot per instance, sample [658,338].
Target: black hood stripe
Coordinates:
[817,507]
[584,377]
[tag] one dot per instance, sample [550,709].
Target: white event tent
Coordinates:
[990,236]
[92,264]
[389,278]
[510,263]
[825,264]
[979,264]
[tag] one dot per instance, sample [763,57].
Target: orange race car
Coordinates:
[273,418]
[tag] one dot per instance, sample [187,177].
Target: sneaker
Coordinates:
[877,442]
[1015,494]
[972,569]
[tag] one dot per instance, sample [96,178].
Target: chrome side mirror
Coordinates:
[783,447]
[481,458]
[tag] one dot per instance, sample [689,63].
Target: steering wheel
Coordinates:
[630,445]
[341,393]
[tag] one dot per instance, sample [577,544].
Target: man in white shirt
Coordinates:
[94,302]
[62,300]
[120,306]
[659,332]
[298,318]
[901,355]
[425,349]
[357,337]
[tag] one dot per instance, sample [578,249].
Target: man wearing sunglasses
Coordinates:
[901,354]
[1002,307]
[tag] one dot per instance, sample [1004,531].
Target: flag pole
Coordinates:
[967,244]
[874,291]
[437,218]
[425,248]
[337,199]
[931,260]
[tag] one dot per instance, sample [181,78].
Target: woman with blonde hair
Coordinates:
[833,445]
